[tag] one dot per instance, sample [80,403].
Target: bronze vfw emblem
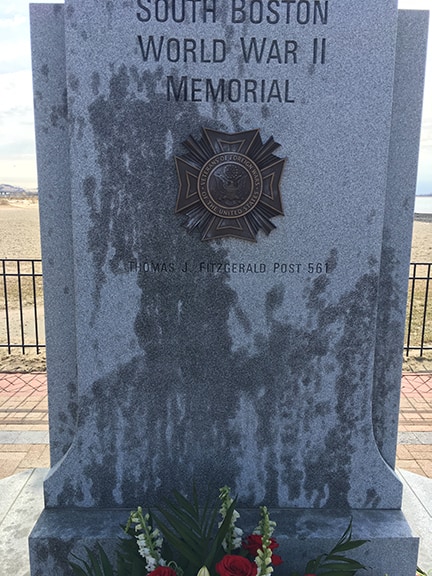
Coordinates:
[229,184]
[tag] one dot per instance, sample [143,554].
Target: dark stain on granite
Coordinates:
[144,443]
[243,319]
[182,318]
[388,352]
[58,9]
[95,83]
[45,562]
[73,82]
[59,112]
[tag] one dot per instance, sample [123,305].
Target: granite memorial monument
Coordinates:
[226,211]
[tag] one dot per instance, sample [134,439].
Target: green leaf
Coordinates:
[99,565]
[336,573]
[186,515]
[345,560]
[178,544]
[190,529]
[349,545]
[97,570]
[220,535]
[107,567]
[195,497]
[78,570]
[312,565]
[186,524]
[335,563]
[184,502]
[183,530]
[209,518]
[190,521]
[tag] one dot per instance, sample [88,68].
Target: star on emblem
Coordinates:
[229,184]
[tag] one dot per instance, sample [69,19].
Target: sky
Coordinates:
[17,147]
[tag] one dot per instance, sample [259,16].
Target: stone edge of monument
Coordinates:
[52,144]
[398,215]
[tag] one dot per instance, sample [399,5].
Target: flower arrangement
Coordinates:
[185,539]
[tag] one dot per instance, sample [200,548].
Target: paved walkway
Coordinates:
[24,423]
[24,441]
[414,451]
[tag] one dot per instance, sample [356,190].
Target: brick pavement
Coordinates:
[415,422]
[24,423]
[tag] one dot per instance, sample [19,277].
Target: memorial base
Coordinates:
[302,535]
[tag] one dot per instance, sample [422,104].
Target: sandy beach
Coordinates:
[19,238]
[422,239]
[19,225]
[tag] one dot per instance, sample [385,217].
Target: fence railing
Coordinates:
[22,318]
[21,305]
[418,327]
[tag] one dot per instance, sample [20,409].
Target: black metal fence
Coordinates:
[22,319]
[21,305]
[418,328]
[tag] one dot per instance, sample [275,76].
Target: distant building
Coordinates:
[11,191]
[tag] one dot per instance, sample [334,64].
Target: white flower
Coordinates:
[151,564]
[149,540]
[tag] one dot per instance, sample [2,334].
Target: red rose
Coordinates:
[163,571]
[276,560]
[253,543]
[232,565]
